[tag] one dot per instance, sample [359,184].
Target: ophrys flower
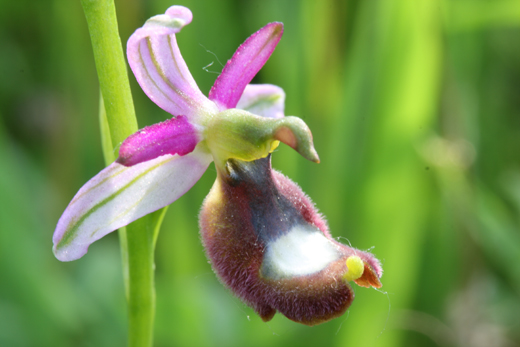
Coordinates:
[237,126]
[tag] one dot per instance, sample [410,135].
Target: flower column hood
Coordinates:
[264,238]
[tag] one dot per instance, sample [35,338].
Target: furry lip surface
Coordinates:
[269,245]
[303,250]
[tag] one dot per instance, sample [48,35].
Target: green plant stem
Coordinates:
[117,122]
[140,241]
[111,68]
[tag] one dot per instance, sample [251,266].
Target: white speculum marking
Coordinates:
[304,250]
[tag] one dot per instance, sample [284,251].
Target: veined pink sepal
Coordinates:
[118,195]
[158,66]
[264,100]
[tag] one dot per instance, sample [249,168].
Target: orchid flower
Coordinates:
[264,237]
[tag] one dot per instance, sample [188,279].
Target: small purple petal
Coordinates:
[264,100]
[174,136]
[159,68]
[244,65]
[118,195]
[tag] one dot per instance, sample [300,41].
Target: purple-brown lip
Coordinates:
[253,212]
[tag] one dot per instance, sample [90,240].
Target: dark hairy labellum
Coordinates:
[269,245]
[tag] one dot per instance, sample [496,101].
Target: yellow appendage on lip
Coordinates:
[355,268]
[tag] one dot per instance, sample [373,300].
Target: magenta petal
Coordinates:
[174,136]
[244,65]
[159,68]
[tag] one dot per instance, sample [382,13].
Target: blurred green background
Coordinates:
[415,111]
